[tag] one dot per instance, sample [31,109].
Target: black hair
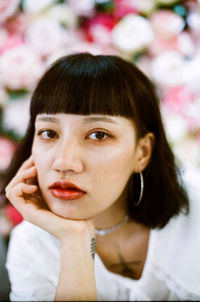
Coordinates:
[105,84]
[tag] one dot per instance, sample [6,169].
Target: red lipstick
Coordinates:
[66,190]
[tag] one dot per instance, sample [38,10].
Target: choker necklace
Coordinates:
[102,232]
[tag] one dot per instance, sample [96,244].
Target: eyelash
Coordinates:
[55,135]
[41,132]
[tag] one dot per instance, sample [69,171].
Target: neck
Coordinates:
[103,232]
[109,218]
[113,214]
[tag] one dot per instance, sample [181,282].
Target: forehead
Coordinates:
[59,118]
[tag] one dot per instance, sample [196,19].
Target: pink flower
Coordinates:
[124,7]
[176,98]
[166,23]
[168,69]
[160,45]
[20,67]
[7,149]
[3,37]
[17,24]
[7,8]
[44,36]
[12,41]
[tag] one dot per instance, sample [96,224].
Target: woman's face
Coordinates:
[96,153]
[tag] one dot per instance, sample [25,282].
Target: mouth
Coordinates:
[66,190]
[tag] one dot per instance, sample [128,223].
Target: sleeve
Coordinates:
[32,264]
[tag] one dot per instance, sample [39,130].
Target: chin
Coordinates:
[67,211]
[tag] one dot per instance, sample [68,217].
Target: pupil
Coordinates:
[50,134]
[100,135]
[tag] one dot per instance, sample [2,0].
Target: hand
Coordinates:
[76,236]
[24,193]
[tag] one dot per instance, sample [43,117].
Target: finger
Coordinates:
[19,190]
[23,188]
[27,163]
[22,177]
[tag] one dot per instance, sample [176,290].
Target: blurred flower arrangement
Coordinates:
[161,36]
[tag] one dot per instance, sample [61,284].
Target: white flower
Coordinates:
[84,46]
[132,33]
[192,74]
[144,6]
[7,8]
[166,1]
[188,152]
[16,116]
[186,44]
[20,68]
[35,6]
[175,125]
[44,36]
[193,21]
[192,113]
[63,14]
[3,97]
[83,8]
[166,23]
[168,68]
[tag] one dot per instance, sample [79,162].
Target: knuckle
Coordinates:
[8,194]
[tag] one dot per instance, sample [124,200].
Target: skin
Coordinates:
[96,153]
[85,150]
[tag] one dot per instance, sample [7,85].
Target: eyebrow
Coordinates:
[86,120]
[99,119]
[47,119]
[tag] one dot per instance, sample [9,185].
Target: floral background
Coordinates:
[162,37]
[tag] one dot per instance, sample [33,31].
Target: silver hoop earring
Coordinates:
[141,190]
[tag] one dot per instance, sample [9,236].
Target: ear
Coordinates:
[144,151]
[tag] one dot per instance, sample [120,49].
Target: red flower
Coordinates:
[12,214]
[103,20]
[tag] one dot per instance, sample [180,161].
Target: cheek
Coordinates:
[41,163]
[115,165]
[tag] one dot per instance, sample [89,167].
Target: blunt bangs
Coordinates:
[83,84]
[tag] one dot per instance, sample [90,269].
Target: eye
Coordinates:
[98,135]
[47,134]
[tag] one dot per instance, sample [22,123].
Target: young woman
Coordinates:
[95,166]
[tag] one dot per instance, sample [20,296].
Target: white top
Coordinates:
[171,271]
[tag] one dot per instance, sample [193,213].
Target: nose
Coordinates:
[67,157]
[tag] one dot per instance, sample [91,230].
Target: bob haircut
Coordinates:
[105,84]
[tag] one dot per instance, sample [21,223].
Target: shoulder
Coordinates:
[177,245]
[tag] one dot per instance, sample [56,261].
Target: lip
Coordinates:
[66,190]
